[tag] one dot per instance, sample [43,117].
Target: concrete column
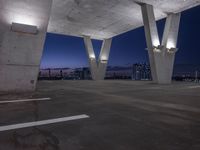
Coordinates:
[20,52]
[98,67]
[161,56]
[91,57]
[169,43]
[151,34]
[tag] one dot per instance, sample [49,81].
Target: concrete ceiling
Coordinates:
[97,18]
[31,12]
[106,18]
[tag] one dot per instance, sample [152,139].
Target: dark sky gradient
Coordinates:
[128,48]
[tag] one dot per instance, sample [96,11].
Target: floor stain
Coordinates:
[37,139]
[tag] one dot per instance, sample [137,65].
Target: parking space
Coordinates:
[109,115]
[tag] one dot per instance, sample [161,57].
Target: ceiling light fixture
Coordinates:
[23,28]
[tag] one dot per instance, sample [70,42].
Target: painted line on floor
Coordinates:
[194,87]
[39,123]
[25,100]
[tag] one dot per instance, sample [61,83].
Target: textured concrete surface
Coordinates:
[102,19]
[20,53]
[124,115]
[161,56]
[96,18]
[98,66]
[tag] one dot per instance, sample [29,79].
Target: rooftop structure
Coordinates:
[24,24]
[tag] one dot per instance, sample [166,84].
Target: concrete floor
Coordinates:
[124,115]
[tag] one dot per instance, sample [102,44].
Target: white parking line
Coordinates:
[39,123]
[194,87]
[25,100]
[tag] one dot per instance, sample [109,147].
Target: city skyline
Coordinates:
[61,51]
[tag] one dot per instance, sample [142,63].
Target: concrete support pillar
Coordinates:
[161,57]
[151,34]
[21,51]
[98,67]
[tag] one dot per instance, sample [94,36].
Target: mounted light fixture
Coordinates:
[156,42]
[158,48]
[23,28]
[104,61]
[172,50]
[92,57]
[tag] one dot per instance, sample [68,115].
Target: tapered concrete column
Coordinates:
[21,48]
[151,34]
[98,67]
[161,57]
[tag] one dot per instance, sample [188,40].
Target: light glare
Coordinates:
[28,20]
[156,43]
[104,58]
[170,45]
[92,56]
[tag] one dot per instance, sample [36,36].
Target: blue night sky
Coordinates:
[66,51]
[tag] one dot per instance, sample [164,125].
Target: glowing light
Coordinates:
[156,42]
[104,61]
[22,19]
[172,50]
[104,58]
[156,49]
[170,45]
[92,56]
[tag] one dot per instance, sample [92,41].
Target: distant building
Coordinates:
[138,71]
[82,73]
[86,74]
[141,72]
[117,72]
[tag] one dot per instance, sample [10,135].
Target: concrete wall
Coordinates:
[20,53]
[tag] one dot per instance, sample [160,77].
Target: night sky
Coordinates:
[62,51]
